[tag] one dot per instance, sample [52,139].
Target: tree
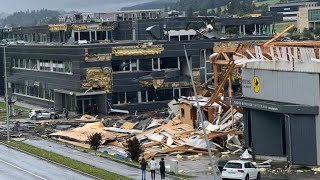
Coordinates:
[189,12]
[317,31]
[134,149]
[95,140]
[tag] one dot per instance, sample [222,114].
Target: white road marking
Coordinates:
[26,171]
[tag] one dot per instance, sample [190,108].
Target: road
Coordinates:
[19,166]
[91,159]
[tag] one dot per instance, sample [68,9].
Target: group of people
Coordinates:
[153,166]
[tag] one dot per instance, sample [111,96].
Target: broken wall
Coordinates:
[98,79]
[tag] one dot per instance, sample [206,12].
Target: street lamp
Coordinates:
[6,90]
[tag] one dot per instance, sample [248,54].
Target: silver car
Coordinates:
[43,114]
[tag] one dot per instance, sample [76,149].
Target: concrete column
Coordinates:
[90,36]
[240,30]
[107,35]
[223,29]
[244,29]
[255,29]
[79,36]
[259,29]
[95,34]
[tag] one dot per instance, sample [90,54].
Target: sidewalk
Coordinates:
[91,159]
[23,104]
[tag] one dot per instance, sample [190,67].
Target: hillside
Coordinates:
[30,18]
[207,7]
[158,4]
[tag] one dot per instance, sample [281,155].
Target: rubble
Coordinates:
[179,132]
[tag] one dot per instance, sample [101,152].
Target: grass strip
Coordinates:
[74,164]
[116,159]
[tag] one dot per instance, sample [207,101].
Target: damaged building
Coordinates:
[280,102]
[102,66]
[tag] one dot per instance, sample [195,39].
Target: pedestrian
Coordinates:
[67,114]
[143,164]
[162,168]
[153,167]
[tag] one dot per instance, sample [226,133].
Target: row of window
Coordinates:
[314,15]
[154,64]
[43,65]
[149,96]
[34,91]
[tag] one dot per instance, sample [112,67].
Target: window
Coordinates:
[33,64]
[169,63]
[58,66]
[27,61]
[155,63]
[16,63]
[119,98]
[126,65]
[44,65]
[67,67]
[234,165]
[144,96]
[145,64]
[182,113]
[314,15]
[32,90]
[132,97]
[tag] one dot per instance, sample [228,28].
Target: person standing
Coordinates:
[162,168]
[143,165]
[153,167]
[67,114]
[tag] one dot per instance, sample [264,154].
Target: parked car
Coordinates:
[43,114]
[240,169]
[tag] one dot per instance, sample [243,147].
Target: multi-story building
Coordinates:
[290,10]
[133,65]
[309,18]
[281,103]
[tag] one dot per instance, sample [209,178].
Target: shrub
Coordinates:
[134,149]
[95,140]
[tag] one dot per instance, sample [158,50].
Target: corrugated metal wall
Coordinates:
[280,86]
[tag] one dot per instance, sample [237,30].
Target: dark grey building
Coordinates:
[281,113]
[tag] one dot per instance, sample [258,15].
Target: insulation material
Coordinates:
[81,134]
[98,57]
[87,117]
[79,27]
[128,125]
[57,27]
[140,50]
[98,79]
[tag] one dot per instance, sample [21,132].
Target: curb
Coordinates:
[86,174]
[111,159]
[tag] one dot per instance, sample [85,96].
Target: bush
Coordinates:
[134,149]
[95,140]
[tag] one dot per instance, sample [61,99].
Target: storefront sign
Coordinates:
[252,105]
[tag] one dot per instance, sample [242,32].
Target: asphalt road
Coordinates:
[91,159]
[19,166]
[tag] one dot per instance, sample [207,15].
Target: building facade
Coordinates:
[290,10]
[131,76]
[309,18]
[281,105]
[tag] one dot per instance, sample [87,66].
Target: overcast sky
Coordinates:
[10,6]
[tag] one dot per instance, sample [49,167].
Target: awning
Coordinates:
[72,93]
[272,106]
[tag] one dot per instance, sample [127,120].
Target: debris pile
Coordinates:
[165,133]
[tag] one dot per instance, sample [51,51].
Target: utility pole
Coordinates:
[213,166]
[6,91]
